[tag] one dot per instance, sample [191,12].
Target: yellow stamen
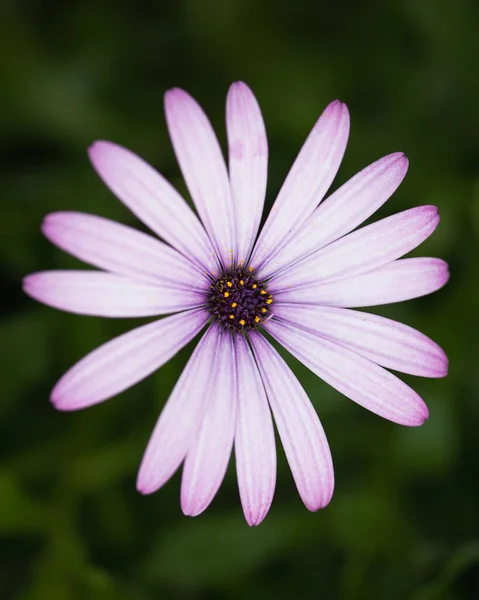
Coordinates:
[257,319]
[241,282]
[254,286]
[229,284]
[226,294]
[270,301]
[242,322]
[232,316]
[250,269]
[234,305]
[263,310]
[263,292]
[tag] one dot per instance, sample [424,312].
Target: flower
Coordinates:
[297,281]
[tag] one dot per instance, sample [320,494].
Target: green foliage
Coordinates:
[403,523]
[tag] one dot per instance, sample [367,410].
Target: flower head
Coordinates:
[297,280]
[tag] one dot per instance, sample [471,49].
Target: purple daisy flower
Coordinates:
[297,281]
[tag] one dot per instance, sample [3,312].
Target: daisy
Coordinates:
[297,281]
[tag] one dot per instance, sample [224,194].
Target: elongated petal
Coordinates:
[107,295]
[398,281]
[254,438]
[181,417]
[364,250]
[385,342]
[301,433]
[356,377]
[208,456]
[125,360]
[343,211]
[307,182]
[120,249]
[202,164]
[248,164]
[153,200]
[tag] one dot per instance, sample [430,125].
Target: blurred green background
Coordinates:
[404,519]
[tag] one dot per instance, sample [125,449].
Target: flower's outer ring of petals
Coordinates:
[181,417]
[383,341]
[397,281]
[248,165]
[120,249]
[254,438]
[307,182]
[204,169]
[208,456]
[153,200]
[126,360]
[364,250]
[347,208]
[357,378]
[299,427]
[103,294]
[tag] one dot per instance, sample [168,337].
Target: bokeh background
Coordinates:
[403,523]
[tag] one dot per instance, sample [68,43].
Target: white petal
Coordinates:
[343,211]
[356,377]
[364,250]
[254,438]
[398,281]
[181,417]
[126,360]
[153,200]
[108,295]
[307,182]
[208,456]
[204,169]
[301,433]
[120,249]
[248,164]
[383,341]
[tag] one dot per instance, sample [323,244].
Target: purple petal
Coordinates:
[356,377]
[153,200]
[362,251]
[301,433]
[204,170]
[248,164]
[181,417]
[307,182]
[125,360]
[107,295]
[343,211]
[254,438]
[383,341]
[398,281]
[120,249]
[208,456]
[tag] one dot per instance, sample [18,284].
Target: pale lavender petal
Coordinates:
[181,417]
[107,295]
[248,164]
[153,200]
[254,438]
[362,251]
[398,281]
[204,169]
[208,456]
[301,433]
[357,378]
[385,342]
[120,249]
[307,182]
[126,360]
[343,211]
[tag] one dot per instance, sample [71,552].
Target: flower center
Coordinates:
[238,301]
